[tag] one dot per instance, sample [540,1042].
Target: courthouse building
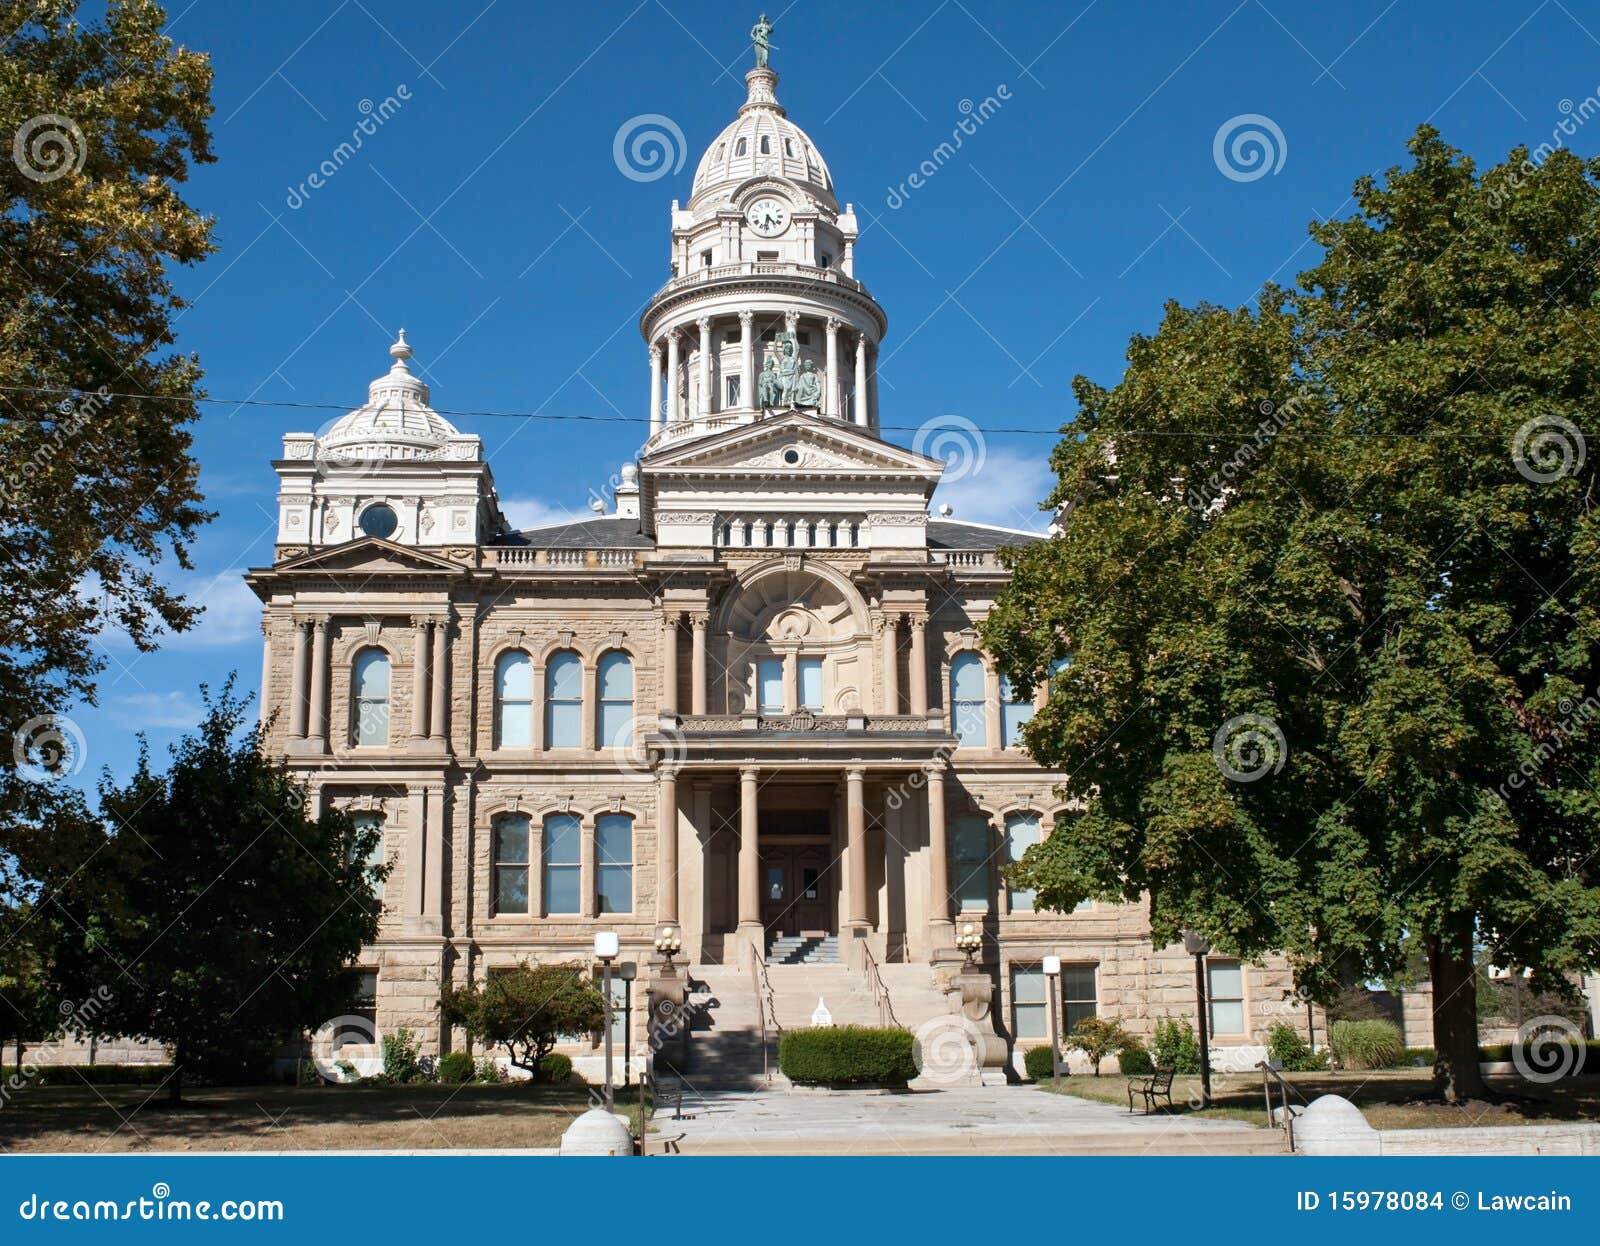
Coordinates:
[746,698]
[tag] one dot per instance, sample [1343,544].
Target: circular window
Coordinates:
[791,456]
[379,520]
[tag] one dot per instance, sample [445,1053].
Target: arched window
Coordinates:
[1013,713]
[967,700]
[563,869]
[366,820]
[370,679]
[972,863]
[513,691]
[563,701]
[739,148]
[614,862]
[1022,833]
[511,863]
[766,145]
[616,699]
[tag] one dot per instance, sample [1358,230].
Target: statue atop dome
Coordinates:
[761,37]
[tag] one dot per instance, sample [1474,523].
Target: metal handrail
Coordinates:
[765,1003]
[1269,1075]
[880,990]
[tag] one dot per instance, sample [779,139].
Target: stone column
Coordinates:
[706,406]
[655,388]
[669,663]
[674,376]
[588,875]
[889,626]
[791,681]
[433,887]
[747,360]
[302,669]
[697,663]
[441,680]
[861,380]
[265,708]
[830,390]
[421,637]
[749,937]
[919,665]
[991,706]
[319,683]
[667,846]
[856,833]
[875,414]
[941,930]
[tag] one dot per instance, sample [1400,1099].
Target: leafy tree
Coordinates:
[239,910]
[525,1009]
[1098,1038]
[28,1008]
[1328,586]
[102,123]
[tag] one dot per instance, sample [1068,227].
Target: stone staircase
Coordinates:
[804,950]
[725,1032]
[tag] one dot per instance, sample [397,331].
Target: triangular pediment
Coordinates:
[370,556]
[791,444]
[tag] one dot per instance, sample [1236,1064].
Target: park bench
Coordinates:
[1157,1085]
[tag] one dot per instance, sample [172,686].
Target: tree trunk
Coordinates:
[1456,1074]
[175,1082]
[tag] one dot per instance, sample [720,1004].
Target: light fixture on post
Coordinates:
[606,946]
[1052,982]
[627,971]
[669,943]
[969,941]
[1199,947]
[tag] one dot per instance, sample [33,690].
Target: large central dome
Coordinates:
[761,140]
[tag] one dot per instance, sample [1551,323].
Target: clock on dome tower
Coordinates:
[768,216]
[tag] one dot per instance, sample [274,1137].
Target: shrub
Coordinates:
[487,1070]
[93,1074]
[455,1068]
[555,1068]
[1098,1038]
[1175,1047]
[848,1055]
[1037,1061]
[1135,1058]
[526,1009]
[1292,1052]
[401,1062]
[1367,1044]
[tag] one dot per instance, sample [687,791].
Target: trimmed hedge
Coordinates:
[1037,1062]
[848,1055]
[455,1068]
[556,1069]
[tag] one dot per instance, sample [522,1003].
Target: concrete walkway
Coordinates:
[999,1120]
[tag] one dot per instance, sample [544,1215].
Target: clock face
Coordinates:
[768,216]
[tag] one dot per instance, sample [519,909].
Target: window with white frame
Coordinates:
[367,820]
[1078,999]
[1225,992]
[513,691]
[1030,1003]
[563,709]
[614,862]
[811,684]
[615,720]
[510,835]
[967,700]
[563,863]
[769,685]
[1022,833]
[370,702]
[1013,713]
[972,836]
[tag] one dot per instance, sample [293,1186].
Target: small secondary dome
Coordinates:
[761,140]
[396,421]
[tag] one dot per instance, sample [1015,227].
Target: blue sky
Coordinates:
[488,216]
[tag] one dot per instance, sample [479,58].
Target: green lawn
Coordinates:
[1390,1099]
[272,1118]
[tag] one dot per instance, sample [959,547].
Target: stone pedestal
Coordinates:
[977,1008]
[668,1025]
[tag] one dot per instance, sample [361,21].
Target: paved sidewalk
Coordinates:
[999,1120]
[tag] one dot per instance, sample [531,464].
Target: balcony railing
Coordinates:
[807,721]
[759,268]
[564,558]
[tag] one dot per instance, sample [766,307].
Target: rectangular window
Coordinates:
[705,259]
[1225,989]
[769,685]
[562,863]
[1013,713]
[1077,995]
[511,864]
[825,260]
[733,391]
[564,708]
[1022,833]
[1030,1008]
[366,1004]
[811,684]
[972,863]
[614,862]
[368,821]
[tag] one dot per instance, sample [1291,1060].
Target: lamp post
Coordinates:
[1052,979]
[969,941]
[669,943]
[606,945]
[627,971]
[1198,946]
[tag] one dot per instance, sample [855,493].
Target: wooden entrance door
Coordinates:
[796,889]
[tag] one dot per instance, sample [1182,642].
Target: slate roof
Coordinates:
[601,532]
[954,534]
